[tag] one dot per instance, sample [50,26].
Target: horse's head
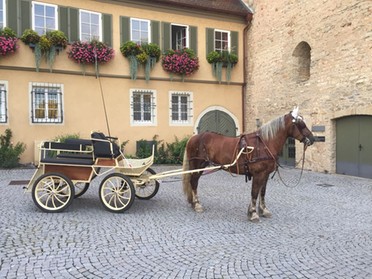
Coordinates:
[299,129]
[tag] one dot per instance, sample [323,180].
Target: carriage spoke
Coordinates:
[52,192]
[116,192]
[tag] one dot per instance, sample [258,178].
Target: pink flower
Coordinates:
[181,62]
[7,45]
[89,52]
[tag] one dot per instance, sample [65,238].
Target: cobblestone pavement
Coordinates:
[320,229]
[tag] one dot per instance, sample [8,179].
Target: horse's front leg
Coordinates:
[195,200]
[252,212]
[262,209]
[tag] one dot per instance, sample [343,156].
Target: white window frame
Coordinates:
[190,119]
[148,30]
[153,121]
[228,40]
[90,25]
[186,36]
[3,102]
[46,119]
[44,27]
[4,14]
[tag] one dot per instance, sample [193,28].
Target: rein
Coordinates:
[278,165]
[302,170]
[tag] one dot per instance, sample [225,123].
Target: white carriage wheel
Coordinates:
[117,192]
[53,192]
[149,189]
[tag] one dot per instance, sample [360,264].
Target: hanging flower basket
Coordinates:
[180,62]
[8,41]
[218,60]
[93,52]
[48,45]
[145,54]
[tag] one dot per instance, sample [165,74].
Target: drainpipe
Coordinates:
[245,68]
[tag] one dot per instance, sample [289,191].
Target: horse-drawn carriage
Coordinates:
[66,169]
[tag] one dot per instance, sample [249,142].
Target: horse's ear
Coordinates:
[295,112]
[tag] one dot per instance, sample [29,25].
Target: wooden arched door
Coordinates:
[218,121]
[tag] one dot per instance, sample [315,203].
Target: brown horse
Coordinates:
[209,148]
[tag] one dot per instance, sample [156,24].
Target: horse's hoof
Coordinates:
[254,217]
[198,208]
[266,213]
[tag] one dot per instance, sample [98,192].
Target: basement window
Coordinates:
[46,103]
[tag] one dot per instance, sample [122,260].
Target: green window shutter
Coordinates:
[124,29]
[210,39]
[107,29]
[234,36]
[166,36]
[69,22]
[12,15]
[194,38]
[155,32]
[74,24]
[63,20]
[25,15]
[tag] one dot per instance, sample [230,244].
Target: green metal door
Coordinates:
[354,146]
[219,122]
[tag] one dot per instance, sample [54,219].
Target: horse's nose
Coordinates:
[309,140]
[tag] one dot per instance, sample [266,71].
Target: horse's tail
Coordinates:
[186,178]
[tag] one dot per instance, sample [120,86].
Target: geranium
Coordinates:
[8,41]
[181,62]
[90,52]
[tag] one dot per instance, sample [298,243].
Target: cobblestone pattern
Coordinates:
[319,229]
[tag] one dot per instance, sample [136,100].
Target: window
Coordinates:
[3,101]
[301,62]
[140,31]
[180,108]
[46,104]
[179,36]
[44,17]
[2,14]
[221,40]
[143,107]
[90,26]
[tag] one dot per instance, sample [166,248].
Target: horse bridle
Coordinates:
[305,140]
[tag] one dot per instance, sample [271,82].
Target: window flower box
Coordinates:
[93,52]
[48,45]
[145,54]
[220,60]
[180,62]
[8,41]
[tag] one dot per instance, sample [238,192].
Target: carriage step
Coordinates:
[19,182]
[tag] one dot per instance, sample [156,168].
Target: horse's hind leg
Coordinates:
[262,209]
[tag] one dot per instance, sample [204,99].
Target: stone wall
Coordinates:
[339,33]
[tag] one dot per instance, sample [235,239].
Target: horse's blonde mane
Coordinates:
[269,130]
